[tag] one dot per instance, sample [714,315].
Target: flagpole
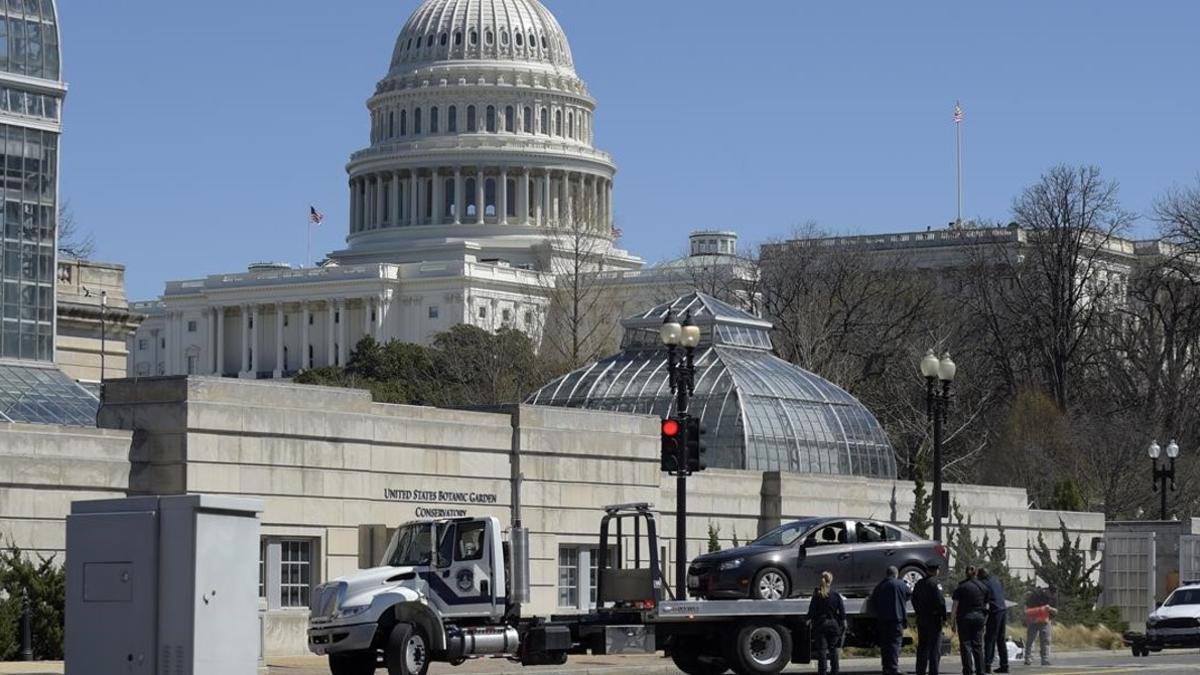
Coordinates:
[958,154]
[308,247]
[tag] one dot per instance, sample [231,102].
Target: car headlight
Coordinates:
[347,612]
[731,564]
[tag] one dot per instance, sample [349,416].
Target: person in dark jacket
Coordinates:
[971,600]
[995,637]
[929,605]
[827,620]
[889,603]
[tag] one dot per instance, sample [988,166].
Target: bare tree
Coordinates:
[1178,213]
[1040,298]
[581,325]
[73,240]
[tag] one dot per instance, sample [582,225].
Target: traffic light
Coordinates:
[695,445]
[672,444]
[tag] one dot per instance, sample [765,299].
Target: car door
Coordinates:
[825,549]
[462,580]
[873,552]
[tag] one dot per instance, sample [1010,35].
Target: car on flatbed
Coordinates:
[1175,624]
[788,561]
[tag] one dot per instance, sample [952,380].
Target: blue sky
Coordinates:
[197,133]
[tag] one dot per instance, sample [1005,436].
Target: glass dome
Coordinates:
[29,39]
[761,412]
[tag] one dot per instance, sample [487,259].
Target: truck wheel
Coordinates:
[688,657]
[1137,650]
[407,651]
[770,584]
[761,649]
[352,663]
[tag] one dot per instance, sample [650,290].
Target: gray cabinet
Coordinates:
[163,585]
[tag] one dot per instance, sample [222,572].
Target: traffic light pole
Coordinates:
[683,390]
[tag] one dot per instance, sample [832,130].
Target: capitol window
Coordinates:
[520,40]
[558,123]
[452,120]
[504,37]
[433,120]
[471,119]
[191,326]
[429,42]
[433,312]
[417,121]
[528,122]
[545,121]
[491,119]
[403,122]
[509,119]
[489,38]
[458,38]
[445,39]
[474,37]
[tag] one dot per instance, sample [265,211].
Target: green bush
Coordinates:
[45,583]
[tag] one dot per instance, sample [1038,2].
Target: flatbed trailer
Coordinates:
[404,618]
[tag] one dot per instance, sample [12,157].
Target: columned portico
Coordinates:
[280,364]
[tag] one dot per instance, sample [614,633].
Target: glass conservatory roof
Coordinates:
[761,412]
[42,395]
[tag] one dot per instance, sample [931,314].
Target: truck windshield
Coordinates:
[412,546]
[1189,596]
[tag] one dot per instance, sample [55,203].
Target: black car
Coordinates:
[788,561]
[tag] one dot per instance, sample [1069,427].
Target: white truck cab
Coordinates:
[1173,624]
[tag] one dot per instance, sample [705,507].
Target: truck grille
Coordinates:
[1178,623]
[325,600]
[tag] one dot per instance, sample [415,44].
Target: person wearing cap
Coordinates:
[889,603]
[1039,609]
[929,605]
[994,636]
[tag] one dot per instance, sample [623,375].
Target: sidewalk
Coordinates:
[578,665]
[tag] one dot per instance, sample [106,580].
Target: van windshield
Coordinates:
[412,546]
[1185,596]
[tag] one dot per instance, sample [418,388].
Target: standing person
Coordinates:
[827,620]
[971,600]
[929,604]
[1039,609]
[996,634]
[888,601]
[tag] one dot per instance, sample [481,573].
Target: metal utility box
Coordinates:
[163,586]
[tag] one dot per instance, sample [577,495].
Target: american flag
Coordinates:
[958,113]
[315,216]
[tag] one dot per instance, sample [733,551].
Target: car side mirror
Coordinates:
[1157,604]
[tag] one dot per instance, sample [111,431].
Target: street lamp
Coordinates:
[937,402]
[103,330]
[681,376]
[1164,473]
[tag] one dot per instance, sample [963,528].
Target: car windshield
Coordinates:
[1185,596]
[784,536]
[411,546]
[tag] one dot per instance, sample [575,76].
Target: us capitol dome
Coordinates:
[479,179]
[481,134]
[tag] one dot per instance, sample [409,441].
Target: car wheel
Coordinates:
[407,651]
[911,575]
[352,663]
[760,649]
[689,657]
[770,584]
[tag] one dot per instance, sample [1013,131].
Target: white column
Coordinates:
[480,194]
[210,355]
[330,334]
[380,308]
[523,197]
[342,309]
[543,193]
[564,200]
[594,212]
[278,340]
[502,197]
[458,196]
[412,199]
[382,205]
[439,198]
[245,341]
[608,205]
[255,343]
[394,208]
[353,205]
[367,317]
[539,199]
[420,200]
[305,312]
[220,367]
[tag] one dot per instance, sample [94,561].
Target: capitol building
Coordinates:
[480,187]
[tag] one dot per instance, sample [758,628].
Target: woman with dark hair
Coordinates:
[827,620]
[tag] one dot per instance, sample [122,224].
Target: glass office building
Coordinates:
[31,95]
[761,412]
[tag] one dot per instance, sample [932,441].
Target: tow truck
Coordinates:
[452,589]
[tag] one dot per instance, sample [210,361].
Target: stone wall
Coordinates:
[327,462]
[45,468]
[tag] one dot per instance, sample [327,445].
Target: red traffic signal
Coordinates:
[671,428]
